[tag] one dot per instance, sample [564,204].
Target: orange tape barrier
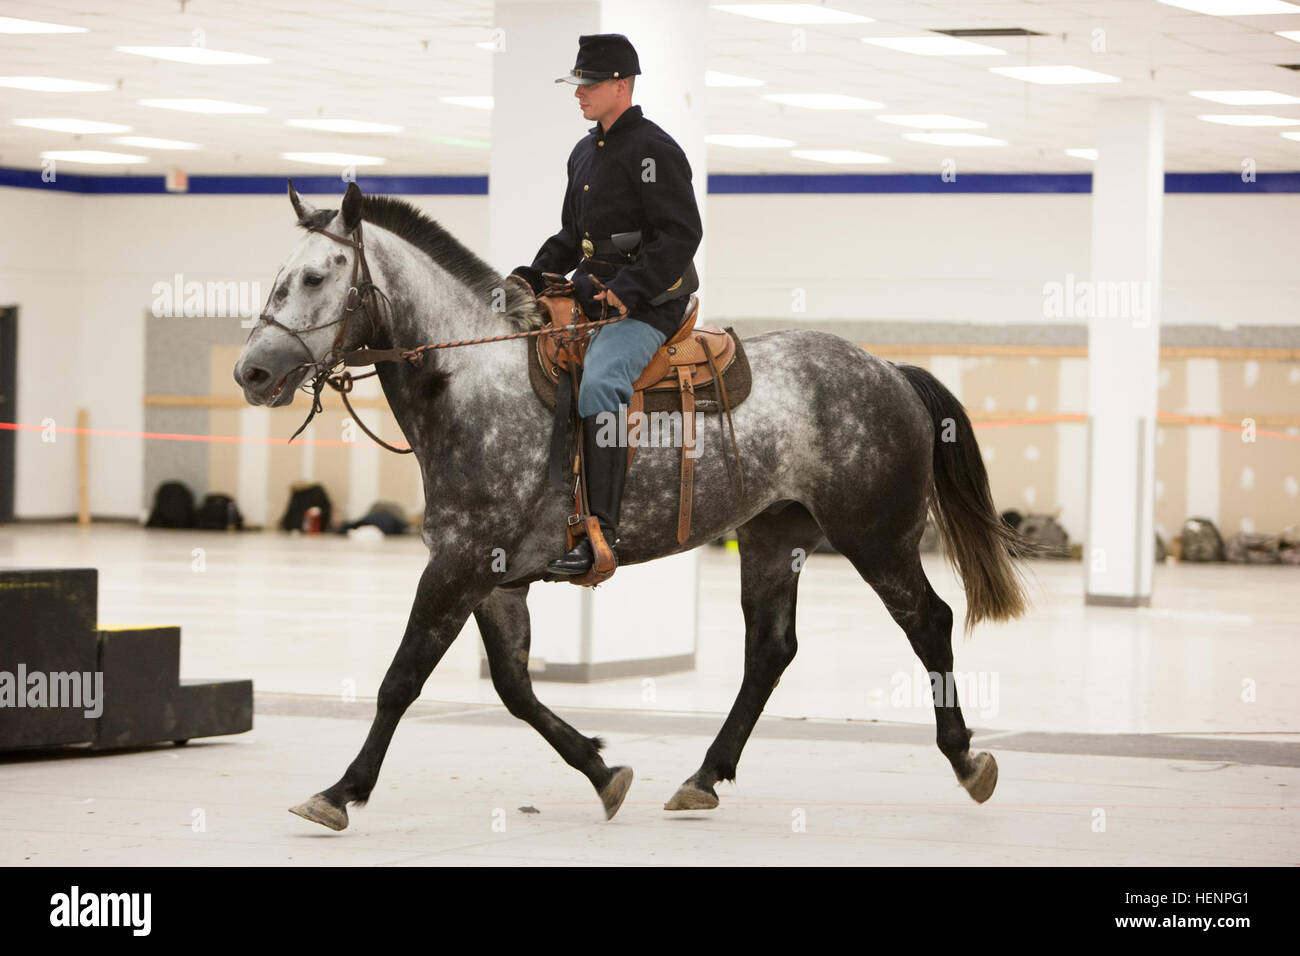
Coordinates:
[168,436]
[1042,420]
[237,439]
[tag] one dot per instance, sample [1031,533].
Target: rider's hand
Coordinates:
[609,298]
[530,277]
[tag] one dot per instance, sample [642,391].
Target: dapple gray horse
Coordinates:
[835,444]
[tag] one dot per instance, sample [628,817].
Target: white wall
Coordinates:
[984,258]
[81,269]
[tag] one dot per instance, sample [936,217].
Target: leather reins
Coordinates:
[358,291]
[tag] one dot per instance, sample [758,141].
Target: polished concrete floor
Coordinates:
[1175,727]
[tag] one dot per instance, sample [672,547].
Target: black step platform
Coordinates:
[64,681]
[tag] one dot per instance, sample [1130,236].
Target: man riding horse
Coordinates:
[631,227]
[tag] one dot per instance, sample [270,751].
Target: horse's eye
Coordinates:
[312,279]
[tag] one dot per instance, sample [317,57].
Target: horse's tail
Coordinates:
[980,545]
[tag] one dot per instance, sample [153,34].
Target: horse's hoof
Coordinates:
[983,778]
[691,797]
[613,793]
[319,810]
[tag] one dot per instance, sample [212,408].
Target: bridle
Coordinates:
[361,288]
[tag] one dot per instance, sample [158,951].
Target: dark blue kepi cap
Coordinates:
[602,56]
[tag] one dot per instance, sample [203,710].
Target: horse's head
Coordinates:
[303,322]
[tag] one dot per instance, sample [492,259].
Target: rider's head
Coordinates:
[604,75]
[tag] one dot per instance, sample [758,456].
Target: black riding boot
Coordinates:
[606,470]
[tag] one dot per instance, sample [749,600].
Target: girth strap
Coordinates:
[559,456]
[687,390]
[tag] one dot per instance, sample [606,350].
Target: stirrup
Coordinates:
[604,559]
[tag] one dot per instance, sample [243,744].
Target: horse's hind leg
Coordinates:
[892,566]
[769,580]
[504,624]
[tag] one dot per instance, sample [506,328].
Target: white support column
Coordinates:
[579,634]
[1123,351]
[671,40]
[535,122]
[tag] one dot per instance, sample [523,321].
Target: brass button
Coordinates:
[588,250]
[600,142]
[585,188]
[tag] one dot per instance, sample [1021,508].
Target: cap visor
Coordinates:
[577,80]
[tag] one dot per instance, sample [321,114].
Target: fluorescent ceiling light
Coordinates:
[473,102]
[333,159]
[1294,136]
[199,105]
[715,78]
[1247,97]
[954,139]
[1233,8]
[52,84]
[1082,153]
[841,156]
[457,141]
[153,142]
[193,54]
[1289,35]
[791,13]
[745,140]
[932,121]
[1053,74]
[14,25]
[935,46]
[1249,119]
[95,156]
[822,101]
[343,126]
[68,125]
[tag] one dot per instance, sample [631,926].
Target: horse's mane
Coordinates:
[406,222]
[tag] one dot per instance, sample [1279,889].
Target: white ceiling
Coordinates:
[392,61]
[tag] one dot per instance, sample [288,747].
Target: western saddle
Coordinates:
[692,359]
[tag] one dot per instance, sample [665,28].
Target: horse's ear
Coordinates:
[351,211]
[301,208]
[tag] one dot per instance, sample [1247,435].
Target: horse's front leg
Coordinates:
[443,603]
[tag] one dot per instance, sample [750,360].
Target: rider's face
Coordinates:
[598,99]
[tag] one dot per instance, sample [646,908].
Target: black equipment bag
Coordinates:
[173,507]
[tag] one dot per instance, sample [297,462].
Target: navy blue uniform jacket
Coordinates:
[633,177]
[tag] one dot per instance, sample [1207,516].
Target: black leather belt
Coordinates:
[622,246]
[604,257]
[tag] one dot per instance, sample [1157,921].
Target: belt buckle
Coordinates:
[588,249]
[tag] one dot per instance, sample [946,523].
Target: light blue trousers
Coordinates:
[618,354]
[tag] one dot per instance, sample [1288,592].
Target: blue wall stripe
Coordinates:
[719,183]
[250,185]
[724,183]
